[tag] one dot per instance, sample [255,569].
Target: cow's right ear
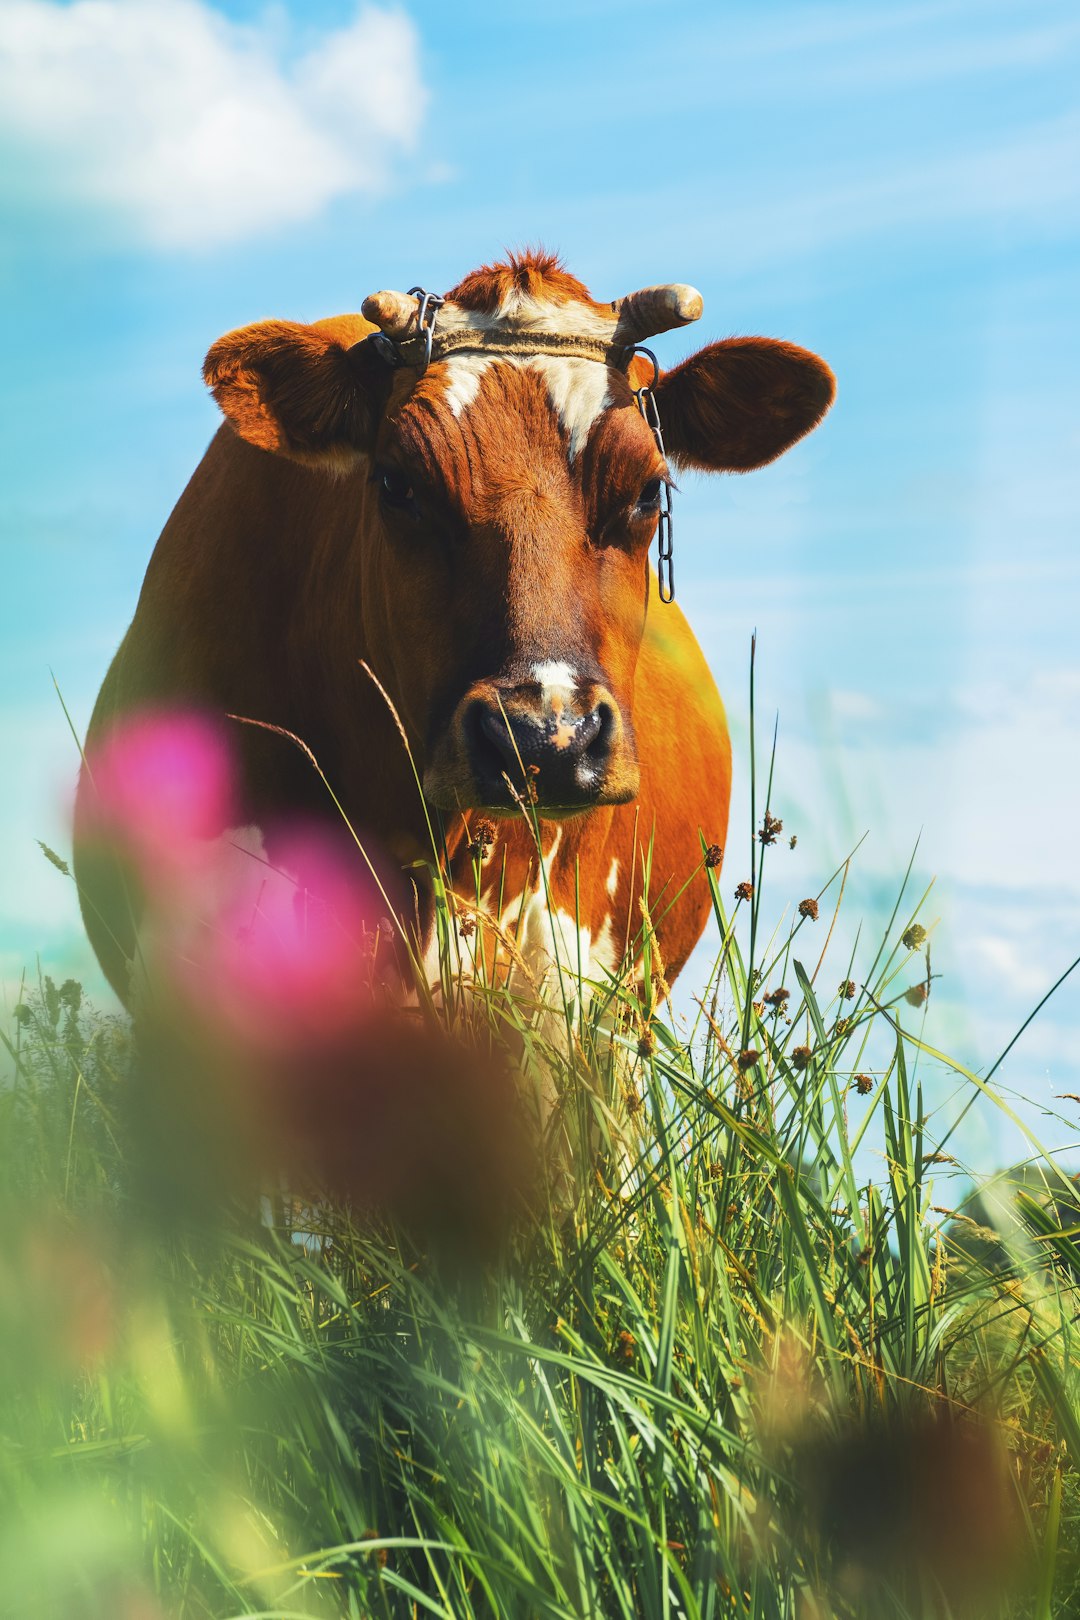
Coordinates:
[298,390]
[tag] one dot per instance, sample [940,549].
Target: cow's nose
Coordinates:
[559,754]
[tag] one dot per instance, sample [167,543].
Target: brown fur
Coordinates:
[535,272]
[271,582]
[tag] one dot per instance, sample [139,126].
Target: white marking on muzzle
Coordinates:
[554,677]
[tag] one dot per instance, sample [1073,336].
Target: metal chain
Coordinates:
[429,306]
[645,400]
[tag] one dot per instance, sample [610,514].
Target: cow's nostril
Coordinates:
[489,737]
[587,732]
[599,744]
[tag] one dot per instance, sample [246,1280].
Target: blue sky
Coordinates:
[896,186]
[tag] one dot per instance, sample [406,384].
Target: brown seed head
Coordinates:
[713,855]
[744,891]
[483,837]
[913,937]
[746,1059]
[625,1346]
[380,1552]
[793,840]
[800,1057]
[809,908]
[847,989]
[863,1085]
[769,828]
[777,998]
[646,1043]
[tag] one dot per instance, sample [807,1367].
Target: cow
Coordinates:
[420,543]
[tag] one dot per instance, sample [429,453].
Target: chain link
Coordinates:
[429,306]
[645,400]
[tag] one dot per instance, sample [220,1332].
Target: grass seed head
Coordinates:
[713,856]
[809,908]
[744,891]
[863,1085]
[913,937]
[800,1057]
[769,828]
[483,837]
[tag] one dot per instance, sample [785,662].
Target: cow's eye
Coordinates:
[394,488]
[649,499]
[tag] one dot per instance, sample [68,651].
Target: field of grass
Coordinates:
[698,1364]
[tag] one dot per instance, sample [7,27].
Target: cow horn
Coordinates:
[656,309]
[392,312]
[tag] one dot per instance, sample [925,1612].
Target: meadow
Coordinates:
[689,1360]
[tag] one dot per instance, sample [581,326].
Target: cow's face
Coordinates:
[513,492]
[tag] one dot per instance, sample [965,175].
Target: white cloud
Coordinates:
[192,129]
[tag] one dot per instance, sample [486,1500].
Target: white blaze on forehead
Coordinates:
[578,389]
[463,374]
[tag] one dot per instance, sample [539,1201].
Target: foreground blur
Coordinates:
[296,1321]
[280,1043]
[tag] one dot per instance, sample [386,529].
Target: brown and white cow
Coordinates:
[476,531]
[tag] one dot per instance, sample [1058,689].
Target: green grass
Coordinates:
[716,1371]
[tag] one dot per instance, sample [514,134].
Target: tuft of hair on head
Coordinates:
[534,272]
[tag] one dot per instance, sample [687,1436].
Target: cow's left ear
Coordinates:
[741,403]
[299,390]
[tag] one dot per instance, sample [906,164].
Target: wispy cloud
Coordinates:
[1029,178]
[812,50]
[191,130]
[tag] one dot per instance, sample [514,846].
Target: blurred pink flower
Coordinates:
[163,789]
[260,945]
[293,962]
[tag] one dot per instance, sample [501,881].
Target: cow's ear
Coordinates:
[741,403]
[299,390]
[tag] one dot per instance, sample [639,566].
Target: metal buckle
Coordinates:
[645,400]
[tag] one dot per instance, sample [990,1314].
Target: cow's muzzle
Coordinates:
[563,749]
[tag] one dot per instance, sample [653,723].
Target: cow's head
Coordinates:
[514,487]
